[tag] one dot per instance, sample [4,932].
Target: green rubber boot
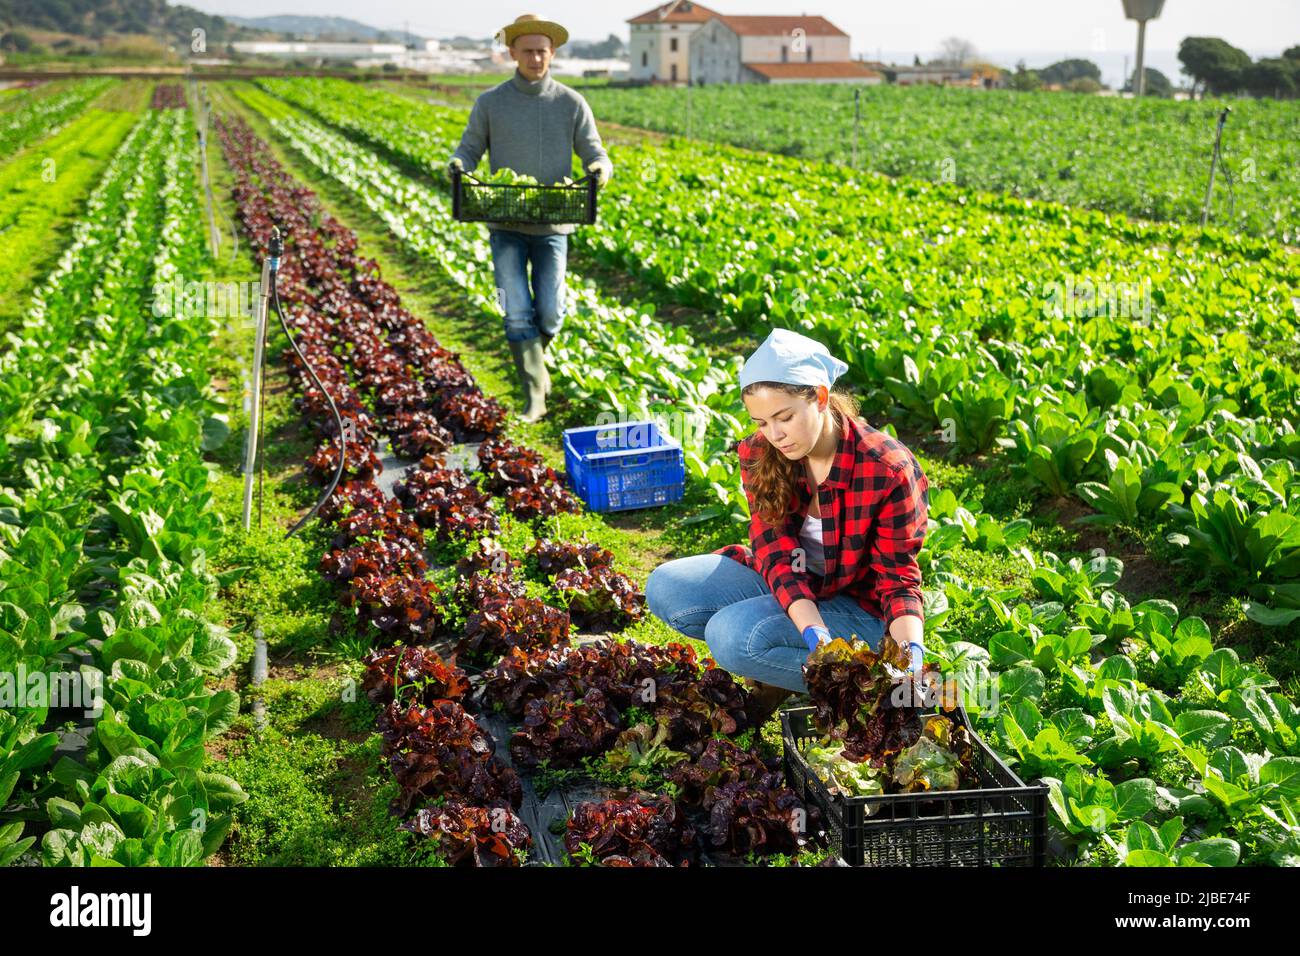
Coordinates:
[532,371]
[546,375]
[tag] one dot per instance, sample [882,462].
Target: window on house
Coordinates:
[645,58]
[674,72]
[785,54]
[672,44]
[809,57]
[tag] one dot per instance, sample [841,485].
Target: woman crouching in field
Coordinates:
[839,562]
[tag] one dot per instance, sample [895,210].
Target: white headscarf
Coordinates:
[788,357]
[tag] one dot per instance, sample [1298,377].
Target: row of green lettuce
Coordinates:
[1166,398]
[44,185]
[105,528]
[1158,746]
[38,116]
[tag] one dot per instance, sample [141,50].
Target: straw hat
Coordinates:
[531,23]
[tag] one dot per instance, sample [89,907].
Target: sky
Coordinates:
[1039,30]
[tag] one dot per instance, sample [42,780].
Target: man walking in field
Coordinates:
[532,125]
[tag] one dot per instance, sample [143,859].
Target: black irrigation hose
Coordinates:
[343,441]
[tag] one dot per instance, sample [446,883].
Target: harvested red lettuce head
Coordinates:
[870,703]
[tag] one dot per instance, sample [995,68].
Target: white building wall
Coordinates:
[767,49]
[652,53]
[715,55]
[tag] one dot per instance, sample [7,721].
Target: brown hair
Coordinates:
[773,477]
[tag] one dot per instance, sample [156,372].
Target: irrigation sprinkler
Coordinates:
[1214,162]
[252,447]
[269,295]
[214,235]
[253,455]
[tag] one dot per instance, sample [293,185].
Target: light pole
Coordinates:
[1142,11]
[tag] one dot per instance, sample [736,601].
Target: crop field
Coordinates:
[1148,159]
[1103,395]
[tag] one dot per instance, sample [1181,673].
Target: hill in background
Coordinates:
[96,19]
[323,28]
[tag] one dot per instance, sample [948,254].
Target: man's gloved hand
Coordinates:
[918,656]
[599,171]
[455,163]
[814,636]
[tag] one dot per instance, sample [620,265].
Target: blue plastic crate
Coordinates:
[623,466]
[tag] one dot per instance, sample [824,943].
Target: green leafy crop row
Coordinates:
[104,535]
[1148,159]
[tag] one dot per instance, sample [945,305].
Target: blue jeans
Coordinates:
[529,312]
[731,608]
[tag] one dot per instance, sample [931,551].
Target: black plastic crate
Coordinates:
[1003,823]
[475,201]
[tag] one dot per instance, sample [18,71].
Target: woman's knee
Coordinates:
[672,590]
[726,644]
[734,634]
[656,592]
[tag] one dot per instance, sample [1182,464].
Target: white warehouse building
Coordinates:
[775,50]
[660,40]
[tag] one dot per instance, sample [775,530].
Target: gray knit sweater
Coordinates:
[534,129]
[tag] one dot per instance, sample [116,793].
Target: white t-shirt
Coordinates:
[810,537]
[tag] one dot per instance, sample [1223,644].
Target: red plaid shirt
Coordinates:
[874,506]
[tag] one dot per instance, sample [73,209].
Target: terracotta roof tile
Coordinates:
[776,26]
[827,69]
[682,12]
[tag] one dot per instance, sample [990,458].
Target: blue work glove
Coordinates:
[918,656]
[814,635]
